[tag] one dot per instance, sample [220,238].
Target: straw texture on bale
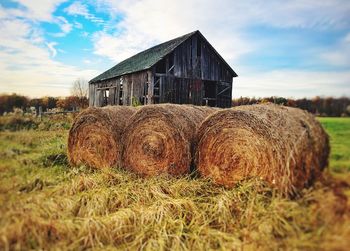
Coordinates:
[285,146]
[159,138]
[95,136]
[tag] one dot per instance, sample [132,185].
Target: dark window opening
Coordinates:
[199,49]
[209,98]
[161,67]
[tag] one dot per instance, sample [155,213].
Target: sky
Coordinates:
[294,49]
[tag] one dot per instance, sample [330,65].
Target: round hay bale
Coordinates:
[285,146]
[95,136]
[159,138]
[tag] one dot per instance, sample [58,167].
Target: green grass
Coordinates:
[45,204]
[339,132]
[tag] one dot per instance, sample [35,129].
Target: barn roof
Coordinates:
[146,59]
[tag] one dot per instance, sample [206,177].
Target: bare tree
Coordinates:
[80,90]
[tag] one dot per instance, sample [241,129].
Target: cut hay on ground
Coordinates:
[159,138]
[95,136]
[285,146]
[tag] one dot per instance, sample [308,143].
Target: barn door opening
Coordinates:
[105,97]
[210,90]
[224,94]
[156,90]
[145,93]
[120,94]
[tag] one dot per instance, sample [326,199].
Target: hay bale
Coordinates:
[95,136]
[159,138]
[285,146]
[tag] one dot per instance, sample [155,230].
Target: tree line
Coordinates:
[10,101]
[320,106]
[328,106]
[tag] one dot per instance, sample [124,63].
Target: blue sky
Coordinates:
[298,48]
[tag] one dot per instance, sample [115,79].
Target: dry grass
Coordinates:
[116,209]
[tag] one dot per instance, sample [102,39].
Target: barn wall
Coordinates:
[180,90]
[121,91]
[195,58]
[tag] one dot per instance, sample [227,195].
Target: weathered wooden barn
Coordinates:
[184,70]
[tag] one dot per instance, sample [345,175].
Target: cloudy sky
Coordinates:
[287,48]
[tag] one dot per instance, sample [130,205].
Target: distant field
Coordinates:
[339,132]
[45,204]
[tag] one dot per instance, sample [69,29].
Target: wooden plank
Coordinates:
[111,96]
[150,88]
[91,94]
[161,90]
[106,87]
[117,91]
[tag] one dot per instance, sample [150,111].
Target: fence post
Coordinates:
[40,112]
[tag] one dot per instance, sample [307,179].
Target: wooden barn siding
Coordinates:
[92,91]
[133,87]
[209,66]
[180,90]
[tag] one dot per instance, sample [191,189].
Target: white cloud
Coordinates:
[38,9]
[52,48]
[119,48]
[292,83]
[64,25]
[79,9]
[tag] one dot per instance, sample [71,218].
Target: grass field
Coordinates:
[45,204]
[339,132]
